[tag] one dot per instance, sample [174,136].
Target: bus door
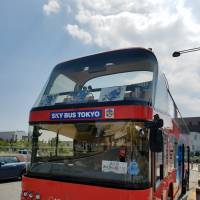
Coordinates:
[183,170]
[158,169]
[179,165]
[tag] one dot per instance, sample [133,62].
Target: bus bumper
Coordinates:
[41,189]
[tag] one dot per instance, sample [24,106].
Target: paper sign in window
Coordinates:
[114,166]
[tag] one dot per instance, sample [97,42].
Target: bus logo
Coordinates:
[109,113]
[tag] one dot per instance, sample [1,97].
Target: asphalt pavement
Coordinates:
[10,190]
[194,177]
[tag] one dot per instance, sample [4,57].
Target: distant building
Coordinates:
[193,124]
[194,141]
[13,135]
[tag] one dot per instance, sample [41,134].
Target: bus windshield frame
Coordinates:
[113,154]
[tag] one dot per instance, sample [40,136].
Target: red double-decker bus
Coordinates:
[106,127]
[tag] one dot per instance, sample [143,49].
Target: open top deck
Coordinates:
[114,76]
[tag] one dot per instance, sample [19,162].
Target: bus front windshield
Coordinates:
[63,88]
[102,153]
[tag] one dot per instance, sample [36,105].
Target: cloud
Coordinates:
[115,24]
[188,105]
[163,25]
[76,32]
[52,6]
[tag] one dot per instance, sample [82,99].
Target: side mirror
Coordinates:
[156,123]
[156,140]
[159,123]
[156,135]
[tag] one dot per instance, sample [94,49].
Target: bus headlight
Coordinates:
[25,194]
[37,196]
[30,195]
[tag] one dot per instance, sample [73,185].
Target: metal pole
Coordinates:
[178,53]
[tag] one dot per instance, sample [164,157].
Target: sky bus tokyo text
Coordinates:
[106,127]
[76,115]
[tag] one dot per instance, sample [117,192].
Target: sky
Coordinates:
[37,35]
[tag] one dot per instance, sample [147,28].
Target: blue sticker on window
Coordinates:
[133,168]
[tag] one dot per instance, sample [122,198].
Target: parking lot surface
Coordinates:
[10,190]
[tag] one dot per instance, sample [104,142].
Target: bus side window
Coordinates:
[159,164]
[161,97]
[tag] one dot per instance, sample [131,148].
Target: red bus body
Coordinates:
[77,191]
[173,165]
